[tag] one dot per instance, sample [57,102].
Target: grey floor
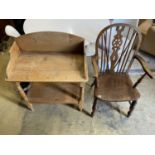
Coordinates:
[15,118]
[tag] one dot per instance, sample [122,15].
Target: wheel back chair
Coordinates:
[117,47]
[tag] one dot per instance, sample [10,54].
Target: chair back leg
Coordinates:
[94,107]
[132,106]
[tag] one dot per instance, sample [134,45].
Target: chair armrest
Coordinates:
[144,66]
[95,66]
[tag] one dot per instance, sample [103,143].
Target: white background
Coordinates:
[72,145]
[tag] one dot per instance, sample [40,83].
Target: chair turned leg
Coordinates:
[132,106]
[94,107]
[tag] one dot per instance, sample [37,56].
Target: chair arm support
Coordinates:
[95,66]
[144,66]
[139,80]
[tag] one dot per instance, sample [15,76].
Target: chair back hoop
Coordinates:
[116,46]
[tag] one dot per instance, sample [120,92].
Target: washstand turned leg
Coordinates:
[24,96]
[93,83]
[81,101]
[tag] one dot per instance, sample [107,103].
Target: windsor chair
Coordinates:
[117,47]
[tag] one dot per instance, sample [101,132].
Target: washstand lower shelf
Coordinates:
[55,93]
